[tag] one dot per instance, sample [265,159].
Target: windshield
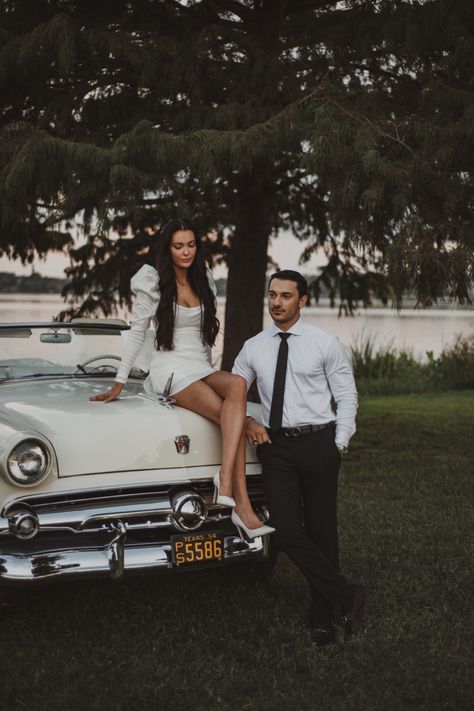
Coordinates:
[57,350]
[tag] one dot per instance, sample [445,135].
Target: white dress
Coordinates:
[190,359]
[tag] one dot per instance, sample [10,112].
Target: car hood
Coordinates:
[134,432]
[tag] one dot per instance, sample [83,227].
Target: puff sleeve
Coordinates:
[138,345]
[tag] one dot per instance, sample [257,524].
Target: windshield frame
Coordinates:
[75,324]
[78,327]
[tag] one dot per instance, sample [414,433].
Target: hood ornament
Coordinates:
[165,398]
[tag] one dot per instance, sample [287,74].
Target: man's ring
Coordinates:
[255,441]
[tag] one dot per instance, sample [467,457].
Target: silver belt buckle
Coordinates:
[296,432]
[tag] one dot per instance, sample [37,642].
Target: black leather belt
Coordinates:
[302,429]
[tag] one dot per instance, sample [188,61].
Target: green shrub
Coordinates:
[390,370]
[455,365]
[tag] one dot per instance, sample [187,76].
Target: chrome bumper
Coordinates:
[114,560]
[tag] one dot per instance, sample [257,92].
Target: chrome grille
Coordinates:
[140,508]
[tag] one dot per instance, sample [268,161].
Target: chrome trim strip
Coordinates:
[77,519]
[112,560]
[211,465]
[83,520]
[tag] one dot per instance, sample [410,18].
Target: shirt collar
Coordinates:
[295,330]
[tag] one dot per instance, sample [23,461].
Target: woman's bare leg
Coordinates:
[243,506]
[201,397]
[222,382]
[233,391]
[227,408]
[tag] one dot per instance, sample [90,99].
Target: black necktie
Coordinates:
[276,410]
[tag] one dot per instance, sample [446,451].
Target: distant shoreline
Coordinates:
[32,284]
[42,286]
[322,307]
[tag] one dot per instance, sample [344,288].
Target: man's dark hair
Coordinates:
[290,275]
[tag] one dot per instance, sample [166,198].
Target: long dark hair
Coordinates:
[198,281]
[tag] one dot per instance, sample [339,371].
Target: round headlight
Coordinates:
[28,462]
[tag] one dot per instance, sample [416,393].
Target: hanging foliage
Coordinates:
[349,123]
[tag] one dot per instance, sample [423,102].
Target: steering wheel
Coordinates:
[82,366]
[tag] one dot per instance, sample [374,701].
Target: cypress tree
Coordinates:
[349,123]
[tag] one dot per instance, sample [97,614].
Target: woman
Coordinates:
[180,296]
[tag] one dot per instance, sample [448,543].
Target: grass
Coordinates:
[218,640]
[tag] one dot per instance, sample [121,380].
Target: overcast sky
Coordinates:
[285,250]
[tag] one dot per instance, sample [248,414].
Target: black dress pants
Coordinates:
[300,481]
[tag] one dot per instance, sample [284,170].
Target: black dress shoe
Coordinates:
[322,636]
[352,620]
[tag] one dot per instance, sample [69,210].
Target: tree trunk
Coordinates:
[247,267]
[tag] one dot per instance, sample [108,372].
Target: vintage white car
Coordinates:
[88,488]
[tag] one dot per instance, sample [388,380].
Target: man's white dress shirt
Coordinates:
[318,369]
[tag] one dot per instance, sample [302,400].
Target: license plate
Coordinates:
[197,548]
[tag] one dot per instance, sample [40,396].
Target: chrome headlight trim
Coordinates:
[29,462]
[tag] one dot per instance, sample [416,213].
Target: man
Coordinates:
[299,369]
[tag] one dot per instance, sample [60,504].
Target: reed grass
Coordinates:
[387,369]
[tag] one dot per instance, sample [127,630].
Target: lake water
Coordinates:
[411,329]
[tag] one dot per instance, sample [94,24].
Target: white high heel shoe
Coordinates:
[218,497]
[262,530]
